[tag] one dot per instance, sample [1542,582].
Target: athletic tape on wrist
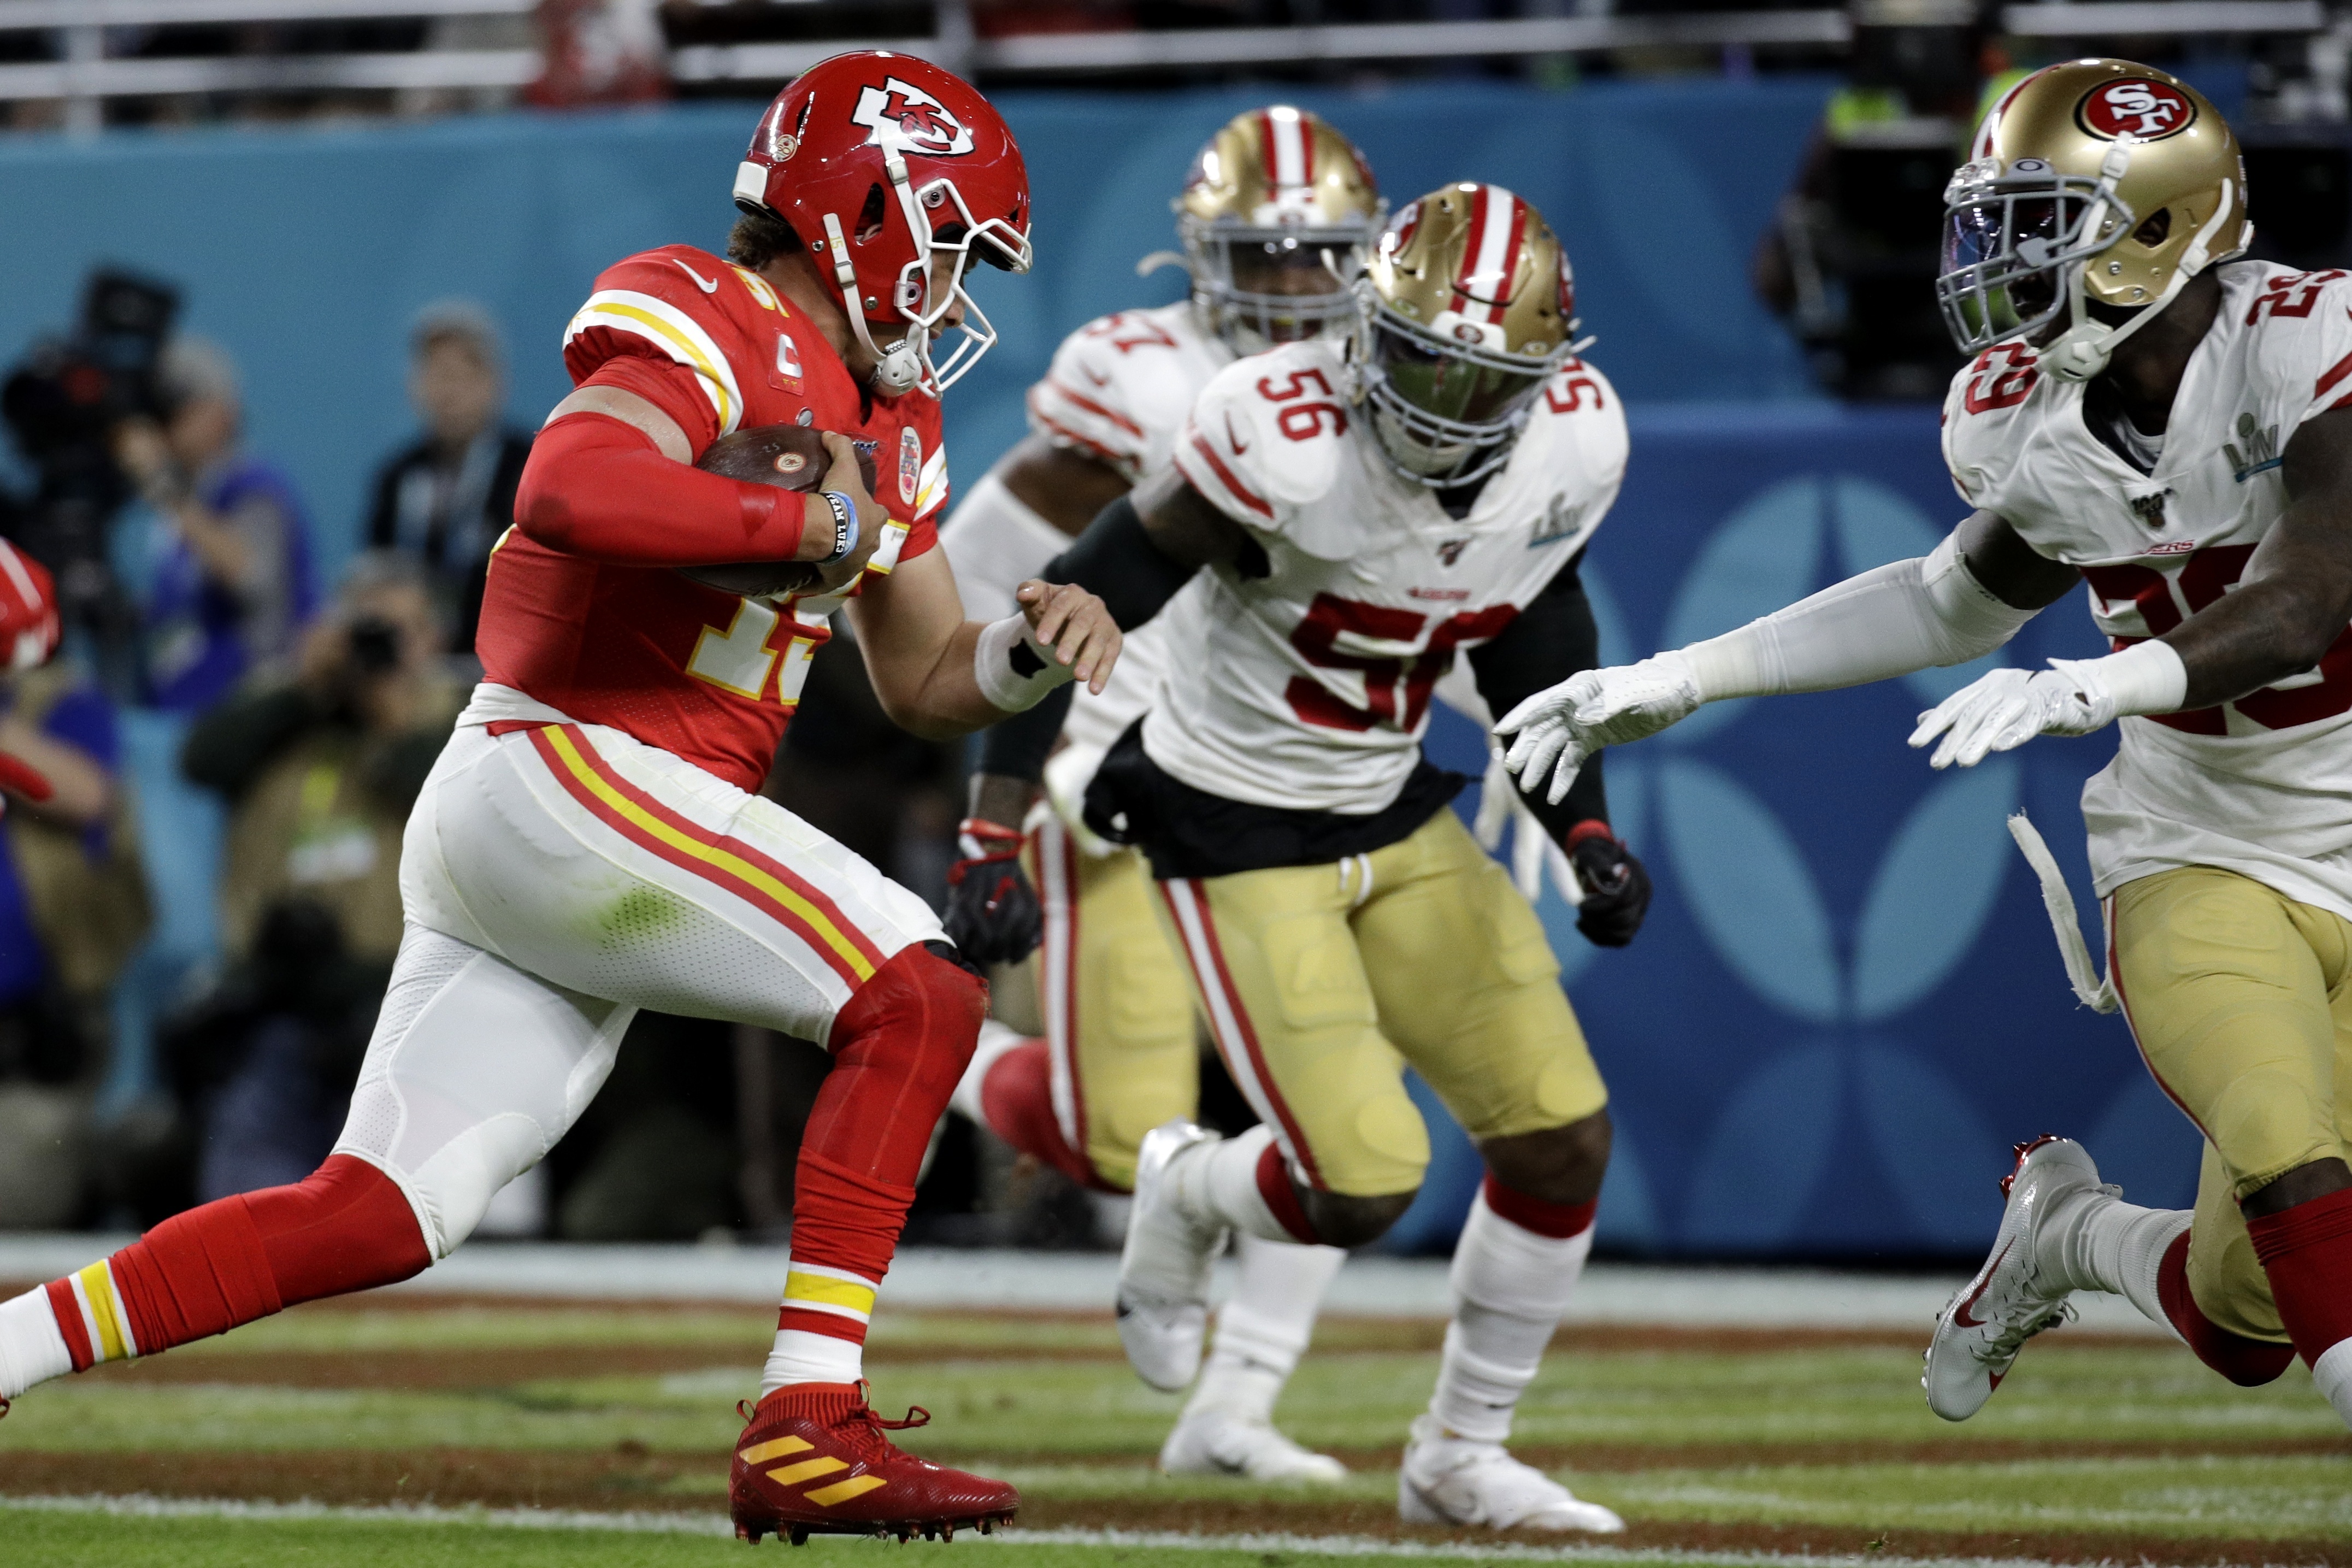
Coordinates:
[1014,669]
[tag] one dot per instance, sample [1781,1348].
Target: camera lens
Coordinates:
[375,644]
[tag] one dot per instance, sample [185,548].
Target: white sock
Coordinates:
[996,1039]
[32,1351]
[803,1357]
[1263,1330]
[1510,1287]
[2092,1240]
[2332,1375]
[1216,1185]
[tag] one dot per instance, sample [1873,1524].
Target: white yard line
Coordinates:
[1370,1286]
[704,1524]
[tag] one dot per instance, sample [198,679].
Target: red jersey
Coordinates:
[710,675]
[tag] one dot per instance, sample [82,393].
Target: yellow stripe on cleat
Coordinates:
[807,1470]
[774,1449]
[841,1491]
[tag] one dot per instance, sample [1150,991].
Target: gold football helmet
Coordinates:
[1275,217]
[1469,307]
[2094,182]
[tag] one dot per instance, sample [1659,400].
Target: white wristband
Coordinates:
[2146,678]
[1012,669]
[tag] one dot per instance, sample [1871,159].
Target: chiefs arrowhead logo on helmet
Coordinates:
[903,119]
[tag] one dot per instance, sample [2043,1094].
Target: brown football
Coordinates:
[790,457]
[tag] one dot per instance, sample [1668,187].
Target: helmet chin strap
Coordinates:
[900,365]
[2084,348]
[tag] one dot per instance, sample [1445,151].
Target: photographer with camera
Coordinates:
[319,768]
[229,577]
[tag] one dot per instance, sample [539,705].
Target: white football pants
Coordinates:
[556,878]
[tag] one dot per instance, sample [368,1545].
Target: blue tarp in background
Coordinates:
[1845,1005]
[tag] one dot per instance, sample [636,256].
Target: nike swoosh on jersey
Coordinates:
[707,285]
[1232,437]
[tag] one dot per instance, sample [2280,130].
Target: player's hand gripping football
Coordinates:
[993,914]
[2002,711]
[846,474]
[1561,725]
[1076,625]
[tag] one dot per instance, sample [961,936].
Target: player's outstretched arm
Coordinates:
[939,676]
[2287,609]
[1553,639]
[1961,601]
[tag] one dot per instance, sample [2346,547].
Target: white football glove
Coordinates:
[2002,711]
[1534,851]
[1566,724]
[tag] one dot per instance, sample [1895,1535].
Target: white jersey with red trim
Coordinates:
[1308,688]
[2261,786]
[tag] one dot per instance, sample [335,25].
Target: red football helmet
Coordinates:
[881,161]
[28,611]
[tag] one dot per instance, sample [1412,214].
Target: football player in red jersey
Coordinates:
[590,844]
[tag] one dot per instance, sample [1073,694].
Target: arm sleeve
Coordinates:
[599,488]
[1116,560]
[1554,637]
[1905,615]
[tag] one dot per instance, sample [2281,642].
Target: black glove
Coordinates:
[1616,885]
[993,913]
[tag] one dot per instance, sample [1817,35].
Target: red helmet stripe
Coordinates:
[1265,149]
[1498,224]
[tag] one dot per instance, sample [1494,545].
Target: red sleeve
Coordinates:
[668,386]
[599,488]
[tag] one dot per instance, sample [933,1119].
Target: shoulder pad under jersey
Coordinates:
[677,303]
[1120,388]
[1268,434]
[1989,399]
[2299,353]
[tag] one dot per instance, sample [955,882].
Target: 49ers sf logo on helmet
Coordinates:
[2135,107]
[903,119]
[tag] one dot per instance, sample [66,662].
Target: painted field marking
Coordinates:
[145,1507]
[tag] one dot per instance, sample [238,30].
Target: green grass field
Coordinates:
[527,1433]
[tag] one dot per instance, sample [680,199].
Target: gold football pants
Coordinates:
[1117,1011]
[1321,982]
[2240,999]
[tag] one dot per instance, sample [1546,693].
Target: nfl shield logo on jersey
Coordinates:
[910,463]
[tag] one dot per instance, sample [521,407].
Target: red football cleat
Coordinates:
[812,1461]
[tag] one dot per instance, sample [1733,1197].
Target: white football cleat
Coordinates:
[1163,1270]
[1226,1443]
[1981,1328]
[1446,1480]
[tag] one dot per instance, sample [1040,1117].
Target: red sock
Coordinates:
[1017,1097]
[898,1050]
[348,1227]
[1274,1186]
[1558,1221]
[2247,1363]
[2307,1250]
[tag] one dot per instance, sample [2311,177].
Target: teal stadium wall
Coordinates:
[1846,1004]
